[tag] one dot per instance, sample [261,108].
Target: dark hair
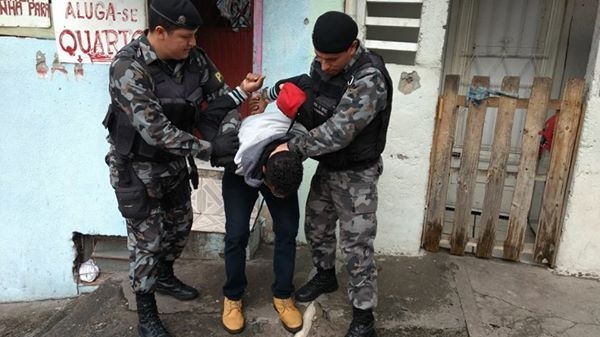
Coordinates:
[155,20]
[283,173]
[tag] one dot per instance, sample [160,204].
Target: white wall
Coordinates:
[403,185]
[579,249]
[288,51]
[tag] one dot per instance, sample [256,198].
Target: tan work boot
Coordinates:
[289,315]
[233,317]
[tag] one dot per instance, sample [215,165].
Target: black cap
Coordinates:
[180,13]
[334,32]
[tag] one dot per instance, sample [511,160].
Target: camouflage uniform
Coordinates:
[347,195]
[160,236]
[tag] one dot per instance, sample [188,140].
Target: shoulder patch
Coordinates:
[219,77]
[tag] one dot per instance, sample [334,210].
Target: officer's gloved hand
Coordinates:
[225,161]
[225,144]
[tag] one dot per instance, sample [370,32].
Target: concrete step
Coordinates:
[208,245]
[111,255]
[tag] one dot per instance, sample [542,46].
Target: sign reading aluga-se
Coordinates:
[25,13]
[93,31]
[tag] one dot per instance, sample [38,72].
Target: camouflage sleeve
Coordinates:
[213,81]
[356,109]
[131,90]
[214,84]
[221,115]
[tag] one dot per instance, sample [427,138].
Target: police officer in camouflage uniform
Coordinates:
[349,121]
[157,84]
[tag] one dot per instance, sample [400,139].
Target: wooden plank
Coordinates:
[563,148]
[522,103]
[440,164]
[467,174]
[392,22]
[391,45]
[432,170]
[521,201]
[492,200]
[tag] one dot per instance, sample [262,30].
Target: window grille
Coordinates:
[391,28]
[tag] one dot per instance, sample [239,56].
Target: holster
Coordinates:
[179,195]
[193,173]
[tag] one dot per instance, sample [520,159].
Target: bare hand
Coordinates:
[252,82]
[257,104]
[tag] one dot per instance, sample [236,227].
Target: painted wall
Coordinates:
[54,180]
[579,250]
[54,177]
[403,185]
[287,51]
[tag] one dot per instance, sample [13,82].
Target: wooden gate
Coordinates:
[563,148]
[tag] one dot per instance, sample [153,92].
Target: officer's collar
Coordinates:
[359,51]
[148,52]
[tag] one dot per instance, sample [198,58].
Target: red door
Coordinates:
[229,49]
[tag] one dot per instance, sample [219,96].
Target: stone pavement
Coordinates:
[431,295]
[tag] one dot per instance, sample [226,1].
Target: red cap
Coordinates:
[290,99]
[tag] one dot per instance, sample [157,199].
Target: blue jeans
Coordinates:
[239,200]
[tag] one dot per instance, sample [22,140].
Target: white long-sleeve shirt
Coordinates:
[256,129]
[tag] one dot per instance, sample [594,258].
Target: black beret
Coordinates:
[181,13]
[334,32]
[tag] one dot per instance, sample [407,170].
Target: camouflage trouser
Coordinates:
[350,197]
[162,235]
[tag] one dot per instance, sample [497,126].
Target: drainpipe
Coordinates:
[351,7]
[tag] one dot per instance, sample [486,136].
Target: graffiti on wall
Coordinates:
[57,66]
[41,68]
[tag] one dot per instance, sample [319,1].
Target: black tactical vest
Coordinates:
[179,99]
[368,145]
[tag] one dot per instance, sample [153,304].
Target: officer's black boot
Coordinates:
[363,324]
[149,324]
[168,284]
[323,282]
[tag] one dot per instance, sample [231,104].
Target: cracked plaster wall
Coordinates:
[403,185]
[579,249]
